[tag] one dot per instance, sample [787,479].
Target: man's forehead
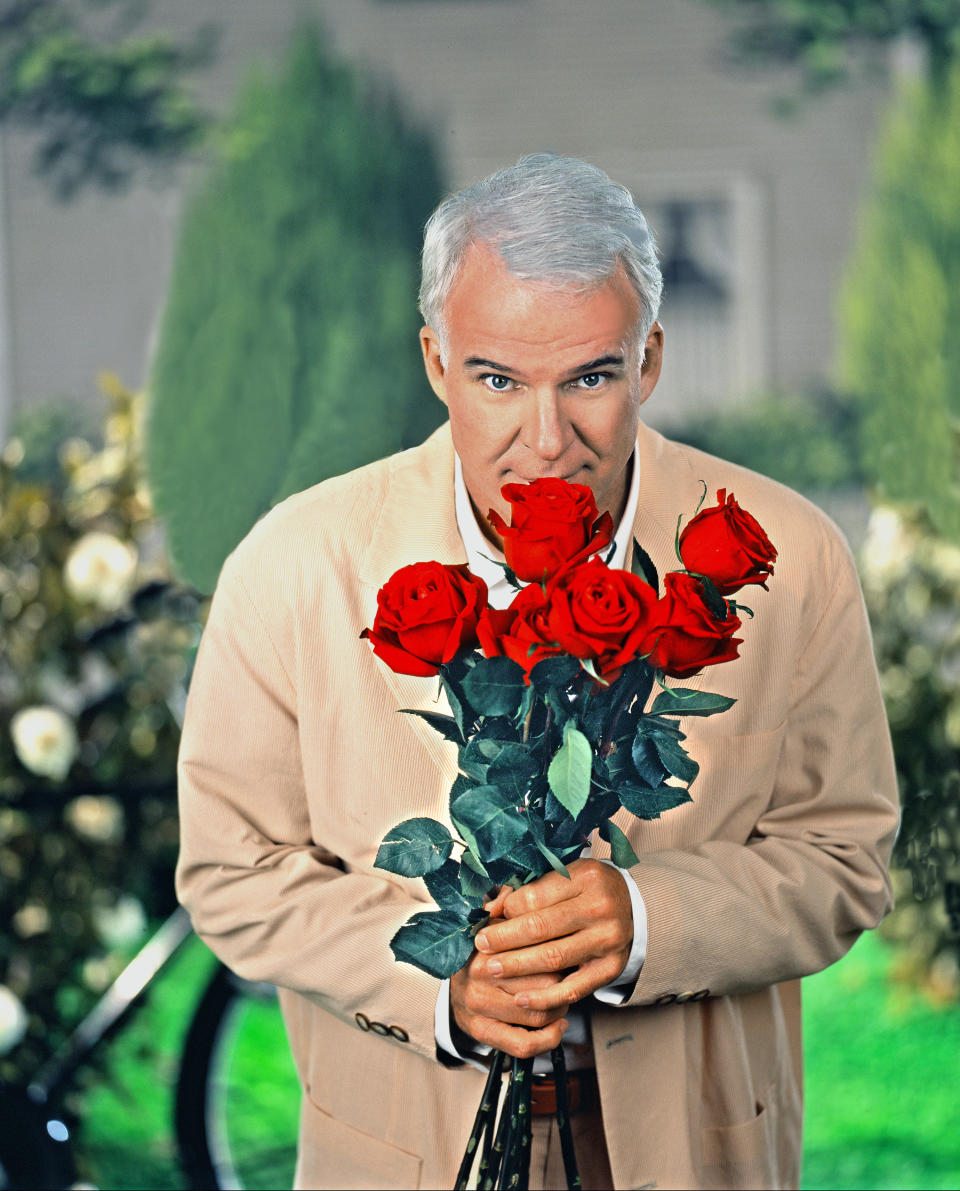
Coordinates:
[490,306]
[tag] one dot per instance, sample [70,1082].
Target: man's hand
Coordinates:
[486,1009]
[581,929]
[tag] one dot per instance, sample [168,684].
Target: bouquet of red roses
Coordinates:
[553,719]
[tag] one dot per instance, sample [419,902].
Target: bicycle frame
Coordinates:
[34,1138]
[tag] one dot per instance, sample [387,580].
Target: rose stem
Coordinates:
[526,1124]
[496,1155]
[491,1095]
[490,1125]
[509,1176]
[563,1120]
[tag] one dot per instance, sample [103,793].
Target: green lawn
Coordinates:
[881,1082]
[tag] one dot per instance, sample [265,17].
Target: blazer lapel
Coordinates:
[417,523]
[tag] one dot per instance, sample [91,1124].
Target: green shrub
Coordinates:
[900,353]
[807,442]
[288,348]
[94,661]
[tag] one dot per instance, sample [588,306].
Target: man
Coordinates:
[677,981]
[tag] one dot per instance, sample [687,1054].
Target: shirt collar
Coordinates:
[482,555]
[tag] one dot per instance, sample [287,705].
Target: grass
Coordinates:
[881,1083]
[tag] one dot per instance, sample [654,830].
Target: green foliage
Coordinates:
[94,656]
[541,766]
[900,354]
[806,442]
[911,581]
[103,105]
[822,38]
[288,346]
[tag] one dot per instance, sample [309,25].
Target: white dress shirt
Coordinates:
[480,551]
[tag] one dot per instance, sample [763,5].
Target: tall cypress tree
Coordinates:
[287,350]
[900,310]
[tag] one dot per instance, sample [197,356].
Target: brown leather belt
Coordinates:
[582,1093]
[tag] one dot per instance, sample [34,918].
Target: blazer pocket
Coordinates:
[334,1154]
[743,1155]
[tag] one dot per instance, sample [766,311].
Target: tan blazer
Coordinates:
[295,763]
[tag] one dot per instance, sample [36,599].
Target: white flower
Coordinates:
[100,570]
[45,741]
[120,924]
[97,817]
[31,919]
[887,549]
[13,1019]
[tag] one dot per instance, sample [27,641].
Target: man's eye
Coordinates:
[593,380]
[496,382]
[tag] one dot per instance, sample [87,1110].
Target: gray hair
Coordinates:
[549,218]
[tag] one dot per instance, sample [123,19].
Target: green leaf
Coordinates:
[646,758]
[495,686]
[621,852]
[553,673]
[456,705]
[475,885]
[446,725]
[513,770]
[646,803]
[438,943]
[641,564]
[678,701]
[489,820]
[446,890]
[569,772]
[675,758]
[414,847]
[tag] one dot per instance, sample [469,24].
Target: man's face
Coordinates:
[540,380]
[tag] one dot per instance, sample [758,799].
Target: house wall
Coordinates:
[639,87]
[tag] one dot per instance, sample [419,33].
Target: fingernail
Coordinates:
[523,1001]
[563,1025]
[482,942]
[495,968]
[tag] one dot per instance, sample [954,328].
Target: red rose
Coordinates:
[603,615]
[728,545]
[686,635]
[552,524]
[426,612]
[521,631]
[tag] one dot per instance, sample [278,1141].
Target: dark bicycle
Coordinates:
[224,1137]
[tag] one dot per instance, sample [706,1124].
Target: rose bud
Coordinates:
[686,635]
[728,545]
[602,615]
[426,612]
[553,524]
[521,631]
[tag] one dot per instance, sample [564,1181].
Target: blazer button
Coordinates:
[362,1021]
[400,1033]
[666,999]
[701,995]
[379,1028]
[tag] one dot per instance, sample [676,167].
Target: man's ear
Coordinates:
[433,363]
[652,361]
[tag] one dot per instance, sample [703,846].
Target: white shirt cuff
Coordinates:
[617,992]
[444,1035]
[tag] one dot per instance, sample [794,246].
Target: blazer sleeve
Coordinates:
[729,917]
[269,899]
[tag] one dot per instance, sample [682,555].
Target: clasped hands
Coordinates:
[548,945]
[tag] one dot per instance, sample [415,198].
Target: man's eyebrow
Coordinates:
[480,362]
[589,366]
[599,362]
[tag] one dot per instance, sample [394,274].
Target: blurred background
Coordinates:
[210,220]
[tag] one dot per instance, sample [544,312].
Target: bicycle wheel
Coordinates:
[238,1099]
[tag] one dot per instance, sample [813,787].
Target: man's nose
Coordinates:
[548,431]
